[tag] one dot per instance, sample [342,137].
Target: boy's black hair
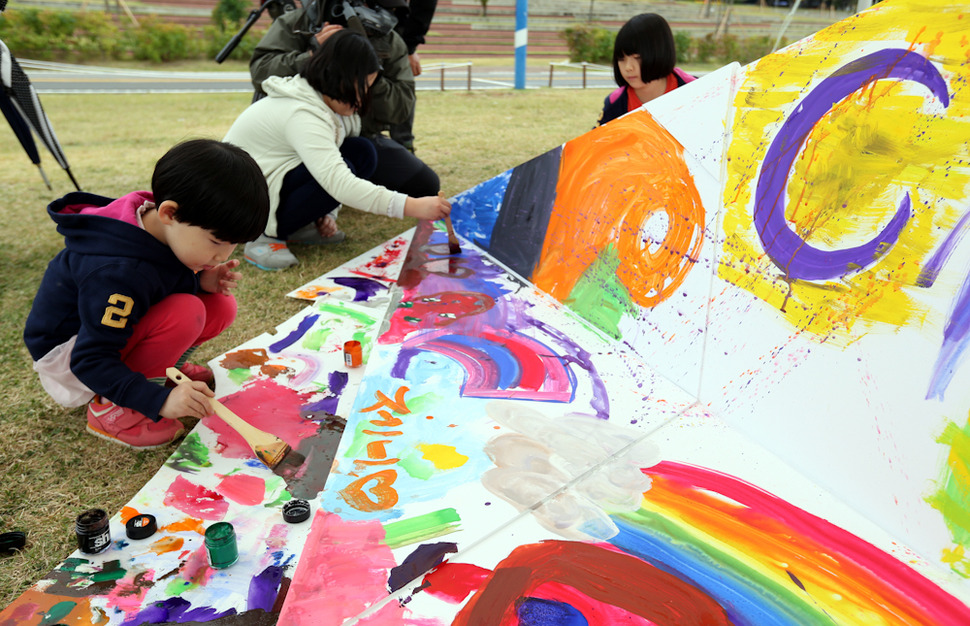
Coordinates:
[217,186]
[340,68]
[649,36]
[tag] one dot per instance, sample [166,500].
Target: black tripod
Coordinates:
[275,7]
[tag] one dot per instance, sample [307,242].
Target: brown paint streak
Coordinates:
[244,359]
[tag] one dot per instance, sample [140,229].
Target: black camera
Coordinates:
[375,19]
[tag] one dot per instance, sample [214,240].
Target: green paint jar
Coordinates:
[220,545]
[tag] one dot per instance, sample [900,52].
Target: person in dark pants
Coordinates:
[305,137]
[413,23]
[291,42]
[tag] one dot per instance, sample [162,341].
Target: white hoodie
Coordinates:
[293,125]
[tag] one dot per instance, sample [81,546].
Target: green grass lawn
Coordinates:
[53,469]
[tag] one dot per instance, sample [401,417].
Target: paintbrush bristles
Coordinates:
[272,455]
[453,246]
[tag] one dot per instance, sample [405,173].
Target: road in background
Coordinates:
[63,78]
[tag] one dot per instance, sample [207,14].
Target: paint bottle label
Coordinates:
[220,545]
[93,532]
[353,355]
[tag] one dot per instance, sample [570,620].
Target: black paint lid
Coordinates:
[141,527]
[296,511]
[12,541]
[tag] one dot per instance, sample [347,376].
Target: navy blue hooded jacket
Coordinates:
[98,287]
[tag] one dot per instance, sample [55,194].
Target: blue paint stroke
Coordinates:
[796,258]
[364,288]
[474,211]
[541,612]
[743,601]
[305,324]
[504,368]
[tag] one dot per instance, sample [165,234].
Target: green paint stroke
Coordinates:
[178,586]
[600,297]
[238,375]
[416,465]
[317,339]
[952,499]
[278,485]
[57,612]
[362,318]
[422,405]
[191,456]
[421,528]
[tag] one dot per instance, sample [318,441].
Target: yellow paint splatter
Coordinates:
[441,456]
[886,140]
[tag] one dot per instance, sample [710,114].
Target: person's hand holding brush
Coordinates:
[427,208]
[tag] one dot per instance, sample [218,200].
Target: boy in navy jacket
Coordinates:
[143,280]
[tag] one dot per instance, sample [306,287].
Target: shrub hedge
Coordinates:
[594,44]
[80,36]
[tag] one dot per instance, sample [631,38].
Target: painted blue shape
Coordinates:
[539,612]
[474,211]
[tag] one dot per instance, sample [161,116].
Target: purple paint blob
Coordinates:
[956,337]
[421,560]
[787,249]
[175,611]
[337,382]
[264,587]
[305,324]
[364,288]
[928,274]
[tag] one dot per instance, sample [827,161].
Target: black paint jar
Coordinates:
[93,533]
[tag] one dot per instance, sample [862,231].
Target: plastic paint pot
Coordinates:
[353,355]
[296,511]
[220,545]
[93,533]
[141,527]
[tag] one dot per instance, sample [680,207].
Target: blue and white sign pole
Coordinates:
[521,40]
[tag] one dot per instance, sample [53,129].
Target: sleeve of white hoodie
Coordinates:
[315,139]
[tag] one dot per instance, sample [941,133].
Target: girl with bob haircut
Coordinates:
[644,55]
[305,137]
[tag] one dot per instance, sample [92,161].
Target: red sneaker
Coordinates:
[198,372]
[128,427]
[195,372]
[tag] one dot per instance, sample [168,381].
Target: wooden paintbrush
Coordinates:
[453,245]
[268,448]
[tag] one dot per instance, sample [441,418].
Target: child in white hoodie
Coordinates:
[304,136]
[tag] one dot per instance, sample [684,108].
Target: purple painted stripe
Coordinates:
[305,324]
[786,248]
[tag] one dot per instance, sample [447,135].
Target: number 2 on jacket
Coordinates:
[117,316]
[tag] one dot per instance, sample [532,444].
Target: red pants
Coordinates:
[177,323]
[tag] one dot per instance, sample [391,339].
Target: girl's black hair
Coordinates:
[340,68]
[649,36]
[217,186]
